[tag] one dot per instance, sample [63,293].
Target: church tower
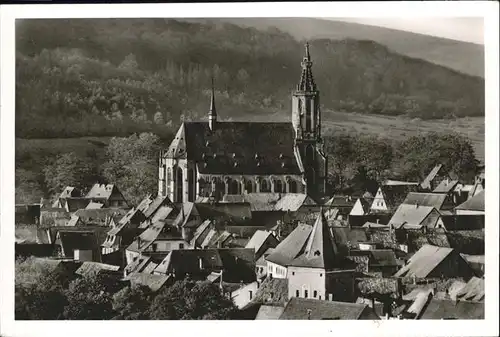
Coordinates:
[306,121]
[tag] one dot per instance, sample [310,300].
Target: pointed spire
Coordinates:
[320,244]
[306,80]
[212,113]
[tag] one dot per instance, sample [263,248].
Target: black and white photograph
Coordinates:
[250,168]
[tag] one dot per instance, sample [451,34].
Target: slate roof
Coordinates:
[269,312]
[307,308]
[410,214]
[446,186]
[92,268]
[424,261]
[153,282]
[435,200]
[447,309]
[320,250]
[476,203]
[232,148]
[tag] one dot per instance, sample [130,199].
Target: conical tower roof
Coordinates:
[320,250]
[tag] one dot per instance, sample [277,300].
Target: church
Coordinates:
[215,159]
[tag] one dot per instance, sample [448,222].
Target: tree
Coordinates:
[189,300]
[69,170]
[417,155]
[132,302]
[39,290]
[91,297]
[131,163]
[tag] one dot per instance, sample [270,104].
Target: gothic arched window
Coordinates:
[191,185]
[233,187]
[292,186]
[265,186]
[179,177]
[308,117]
[249,186]
[278,186]
[168,181]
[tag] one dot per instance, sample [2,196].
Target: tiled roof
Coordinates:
[137,265]
[100,217]
[291,246]
[232,148]
[147,237]
[258,239]
[435,200]
[68,192]
[231,212]
[272,290]
[101,191]
[93,268]
[155,205]
[446,186]
[394,195]
[340,201]
[399,183]
[269,312]
[260,202]
[200,233]
[476,203]
[345,236]
[306,308]
[162,213]
[377,285]
[71,240]
[377,257]
[410,214]
[426,183]
[424,261]
[154,282]
[74,204]
[472,291]
[292,202]
[94,205]
[447,309]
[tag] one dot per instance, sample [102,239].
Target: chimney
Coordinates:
[378,221]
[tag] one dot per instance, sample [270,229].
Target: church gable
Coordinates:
[177,148]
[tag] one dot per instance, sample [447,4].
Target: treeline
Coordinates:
[357,163]
[115,77]
[45,294]
[360,163]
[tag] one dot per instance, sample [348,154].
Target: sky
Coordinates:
[463,29]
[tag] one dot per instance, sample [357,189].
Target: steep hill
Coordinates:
[105,77]
[462,56]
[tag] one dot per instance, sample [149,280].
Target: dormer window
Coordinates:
[207,143]
[234,155]
[281,156]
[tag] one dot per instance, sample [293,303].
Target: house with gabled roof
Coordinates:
[435,262]
[388,198]
[124,231]
[435,177]
[416,216]
[474,205]
[261,241]
[107,194]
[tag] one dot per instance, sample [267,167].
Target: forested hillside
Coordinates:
[114,77]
